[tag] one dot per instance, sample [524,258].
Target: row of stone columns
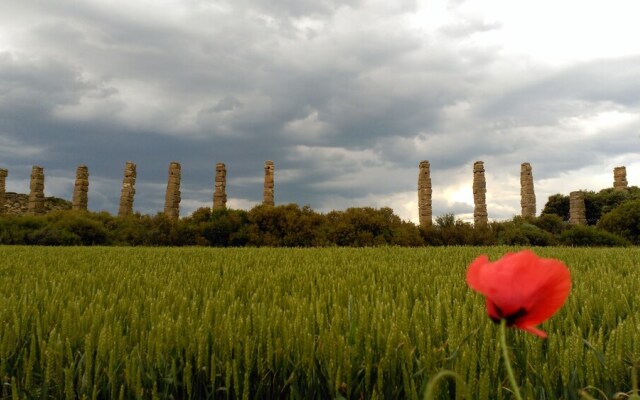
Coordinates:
[577,213]
[172,197]
[577,209]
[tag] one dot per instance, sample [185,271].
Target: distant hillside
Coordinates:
[17,203]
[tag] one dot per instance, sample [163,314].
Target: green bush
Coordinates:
[80,224]
[525,234]
[53,236]
[590,236]
[623,221]
[550,223]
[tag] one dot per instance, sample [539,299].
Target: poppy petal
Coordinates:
[553,285]
[535,331]
[474,272]
[521,287]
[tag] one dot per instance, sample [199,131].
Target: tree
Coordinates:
[624,221]
[558,204]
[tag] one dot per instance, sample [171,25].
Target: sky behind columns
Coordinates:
[345,96]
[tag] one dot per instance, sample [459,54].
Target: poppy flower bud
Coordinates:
[521,288]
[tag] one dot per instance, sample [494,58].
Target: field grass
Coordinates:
[129,323]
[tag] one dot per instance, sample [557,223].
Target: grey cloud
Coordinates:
[346,112]
[227,103]
[468,27]
[578,88]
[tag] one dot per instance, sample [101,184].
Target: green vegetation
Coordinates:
[596,204]
[613,219]
[127,323]
[292,226]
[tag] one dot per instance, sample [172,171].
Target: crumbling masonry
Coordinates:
[36,191]
[128,189]
[268,196]
[480,217]
[527,193]
[220,192]
[620,179]
[3,182]
[424,194]
[577,209]
[172,199]
[81,189]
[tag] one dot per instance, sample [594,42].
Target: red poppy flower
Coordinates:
[521,288]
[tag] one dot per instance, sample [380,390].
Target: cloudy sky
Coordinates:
[346,96]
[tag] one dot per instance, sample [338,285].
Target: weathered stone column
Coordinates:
[620,179]
[128,189]
[424,194]
[268,195]
[81,189]
[36,193]
[577,209]
[480,216]
[172,199]
[3,188]
[220,193]
[527,193]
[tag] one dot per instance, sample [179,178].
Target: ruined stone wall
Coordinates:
[480,216]
[18,204]
[172,198]
[81,189]
[268,194]
[620,179]
[36,193]
[3,187]
[577,209]
[220,192]
[128,189]
[424,194]
[527,193]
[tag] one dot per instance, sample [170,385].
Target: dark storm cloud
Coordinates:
[344,96]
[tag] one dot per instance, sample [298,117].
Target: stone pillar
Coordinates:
[172,199]
[424,194]
[36,193]
[220,193]
[268,196]
[128,189]
[479,194]
[3,188]
[527,194]
[577,209]
[620,179]
[81,189]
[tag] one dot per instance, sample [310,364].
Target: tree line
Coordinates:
[613,219]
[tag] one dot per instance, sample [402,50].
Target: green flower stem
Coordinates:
[507,362]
